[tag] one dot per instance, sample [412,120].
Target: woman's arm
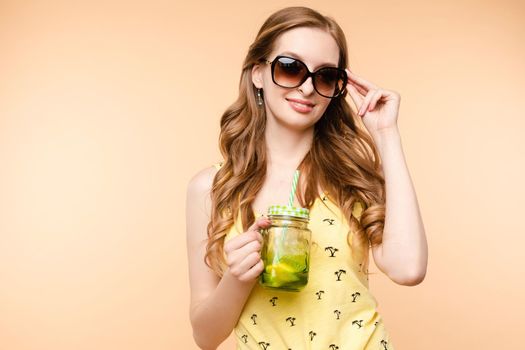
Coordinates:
[403,255]
[215,303]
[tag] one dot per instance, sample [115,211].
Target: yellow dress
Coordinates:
[334,311]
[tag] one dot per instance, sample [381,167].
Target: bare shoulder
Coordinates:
[200,184]
[198,202]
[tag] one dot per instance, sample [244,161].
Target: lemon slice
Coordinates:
[281,273]
[295,262]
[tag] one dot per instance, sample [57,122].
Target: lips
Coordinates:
[300,107]
[304,102]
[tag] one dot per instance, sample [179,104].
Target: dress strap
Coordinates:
[357,209]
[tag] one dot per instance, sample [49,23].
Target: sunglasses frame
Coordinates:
[307,75]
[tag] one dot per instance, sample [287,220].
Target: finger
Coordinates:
[261,222]
[375,98]
[253,246]
[253,272]
[360,89]
[351,83]
[361,81]
[238,255]
[356,97]
[248,262]
[365,103]
[354,92]
[362,92]
[242,240]
[250,235]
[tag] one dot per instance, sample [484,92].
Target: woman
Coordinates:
[291,114]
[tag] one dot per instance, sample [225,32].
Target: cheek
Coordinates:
[276,100]
[322,107]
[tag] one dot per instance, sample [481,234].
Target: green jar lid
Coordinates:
[289,210]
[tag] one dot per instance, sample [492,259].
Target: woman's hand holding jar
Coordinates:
[243,253]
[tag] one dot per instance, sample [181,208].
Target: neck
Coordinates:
[286,147]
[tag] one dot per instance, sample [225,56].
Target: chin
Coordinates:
[298,122]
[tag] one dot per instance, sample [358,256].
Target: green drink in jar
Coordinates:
[286,249]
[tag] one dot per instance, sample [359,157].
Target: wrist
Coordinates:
[387,138]
[392,132]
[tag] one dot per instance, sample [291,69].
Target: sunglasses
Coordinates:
[289,72]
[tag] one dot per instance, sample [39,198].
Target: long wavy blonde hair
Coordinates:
[343,158]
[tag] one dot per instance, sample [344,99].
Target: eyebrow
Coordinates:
[299,57]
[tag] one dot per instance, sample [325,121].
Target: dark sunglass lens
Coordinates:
[329,81]
[288,72]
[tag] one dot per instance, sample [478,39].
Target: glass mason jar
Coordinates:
[286,249]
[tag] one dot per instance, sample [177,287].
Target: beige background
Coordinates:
[108,108]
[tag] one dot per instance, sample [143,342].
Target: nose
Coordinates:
[307,86]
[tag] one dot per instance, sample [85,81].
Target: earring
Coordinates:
[259,99]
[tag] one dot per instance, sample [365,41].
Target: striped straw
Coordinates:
[294,186]
[290,203]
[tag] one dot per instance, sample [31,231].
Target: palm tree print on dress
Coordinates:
[253,317]
[291,319]
[264,345]
[330,221]
[244,338]
[359,323]
[337,313]
[333,347]
[354,296]
[332,251]
[319,293]
[338,274]
[384,343]
[272,300]
[312,334]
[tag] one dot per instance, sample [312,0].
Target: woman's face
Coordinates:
[314,47]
